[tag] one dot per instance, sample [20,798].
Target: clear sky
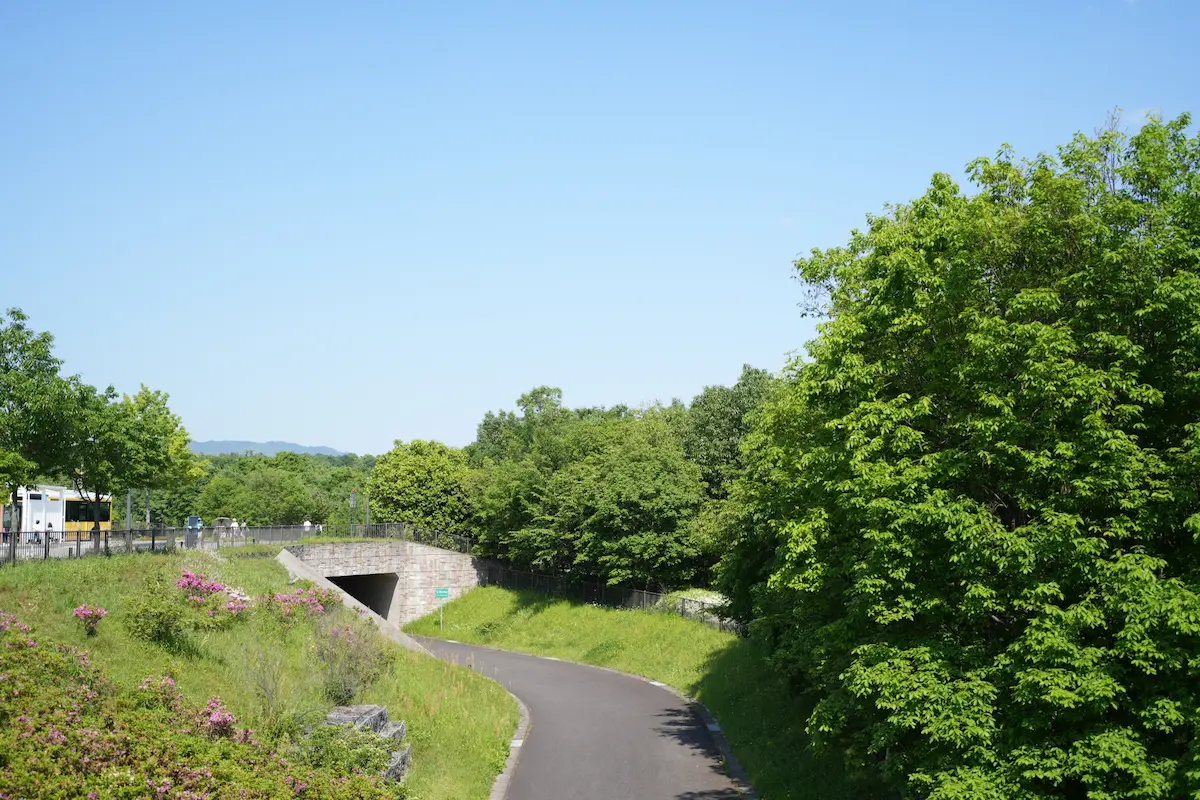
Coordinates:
[348,223]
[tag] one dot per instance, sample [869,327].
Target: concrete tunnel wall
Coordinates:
[373,591]
[394,579]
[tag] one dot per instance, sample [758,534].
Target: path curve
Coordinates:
[597,734]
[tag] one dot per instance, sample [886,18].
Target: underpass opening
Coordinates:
[374,591]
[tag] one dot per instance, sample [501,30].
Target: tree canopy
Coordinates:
[54,427]
[972,516]
[423,483]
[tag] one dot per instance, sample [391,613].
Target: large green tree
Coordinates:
[974,515]
[624,506]
[34,403]
[100,445]
[423,483]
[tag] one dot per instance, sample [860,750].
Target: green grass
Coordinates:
[459,722]
[764,724]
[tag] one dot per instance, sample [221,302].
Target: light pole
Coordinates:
[353,503]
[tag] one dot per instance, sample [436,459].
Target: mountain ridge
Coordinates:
[216,447]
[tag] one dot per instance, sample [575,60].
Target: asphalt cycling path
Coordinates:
[599,735]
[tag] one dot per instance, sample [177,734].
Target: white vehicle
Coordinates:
[55,512]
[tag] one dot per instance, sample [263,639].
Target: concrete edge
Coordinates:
[733,767]
[500,784]
[298,569]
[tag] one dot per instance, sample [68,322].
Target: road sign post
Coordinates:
[441,593]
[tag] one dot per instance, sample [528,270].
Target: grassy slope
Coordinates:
[726,673]
[459,723]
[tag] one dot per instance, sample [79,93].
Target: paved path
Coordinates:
[597,735]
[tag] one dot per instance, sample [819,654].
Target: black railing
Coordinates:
[404,532]
[601,594]
[76,544]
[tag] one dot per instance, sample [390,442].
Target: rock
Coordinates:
[374,718]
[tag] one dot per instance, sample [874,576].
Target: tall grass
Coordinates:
[764,722]
[459,722]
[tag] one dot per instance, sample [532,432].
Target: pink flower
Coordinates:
[90,616]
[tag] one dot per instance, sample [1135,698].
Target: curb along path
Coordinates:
[596,734]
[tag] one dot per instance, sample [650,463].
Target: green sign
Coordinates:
[441,592]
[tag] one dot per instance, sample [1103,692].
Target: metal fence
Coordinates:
[77,544]
[402,531]
[609,596]
[86,543]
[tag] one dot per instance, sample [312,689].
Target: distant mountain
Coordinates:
[218,446]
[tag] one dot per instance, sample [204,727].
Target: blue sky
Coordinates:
[348,223]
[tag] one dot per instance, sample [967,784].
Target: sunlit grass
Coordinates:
[459,722]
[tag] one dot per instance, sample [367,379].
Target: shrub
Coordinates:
[67,731]
[346,751]
[157,617]
[90,616]
[350,656]
[301,604]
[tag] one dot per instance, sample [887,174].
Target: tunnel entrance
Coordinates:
[373,591]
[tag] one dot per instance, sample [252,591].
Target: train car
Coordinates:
[54,512]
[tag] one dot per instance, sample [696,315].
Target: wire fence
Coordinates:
[403,531]
[79,544]
[601,594]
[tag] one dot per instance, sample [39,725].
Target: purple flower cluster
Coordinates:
[236,606]
[90,616]
[196,583]
[216,719]
[302,603]
[8,621]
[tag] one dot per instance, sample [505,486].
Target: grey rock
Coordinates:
[374,718]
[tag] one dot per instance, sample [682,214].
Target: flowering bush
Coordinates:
[216,719]
[90,616]
[194,583]
[236,606]
[69,732]
[301,604]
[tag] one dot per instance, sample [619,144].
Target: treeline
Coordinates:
[629,496]
[58,428]
[284,489]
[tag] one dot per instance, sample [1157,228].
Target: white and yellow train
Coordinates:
[53,512]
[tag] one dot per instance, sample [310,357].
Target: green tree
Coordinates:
[265,495]
[624,507]
[34,403]
[100,448]
[158,457]
[716,423]
[423,483]
[975,509]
